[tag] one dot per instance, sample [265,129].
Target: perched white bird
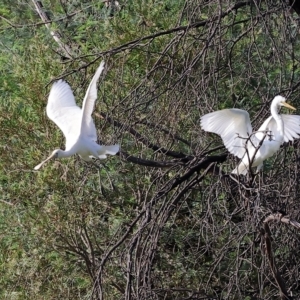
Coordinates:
[234,127]
[76,124]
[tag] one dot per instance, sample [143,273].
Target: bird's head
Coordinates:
[281,101]
[55,154]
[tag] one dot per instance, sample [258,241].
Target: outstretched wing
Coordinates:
[233,125]
[62,109]
[291,127]
[64,112]
[87,123]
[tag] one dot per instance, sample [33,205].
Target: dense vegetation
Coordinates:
[163,219]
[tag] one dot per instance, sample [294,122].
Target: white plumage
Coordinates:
[234,127]
[76,124]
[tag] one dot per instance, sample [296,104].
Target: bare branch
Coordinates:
[143,140]
[185,28]
[55,34]
[148,163]
[266,239]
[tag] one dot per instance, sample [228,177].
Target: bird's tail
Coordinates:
[104,150]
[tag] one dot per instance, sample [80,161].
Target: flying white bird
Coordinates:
[76,124]
[234,127]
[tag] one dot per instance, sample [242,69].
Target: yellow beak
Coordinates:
[288,106]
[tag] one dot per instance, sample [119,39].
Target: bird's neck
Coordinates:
[277,117]
[66,153]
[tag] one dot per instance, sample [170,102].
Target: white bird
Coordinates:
[76,124]
[234,127]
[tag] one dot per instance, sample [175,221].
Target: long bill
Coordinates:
[288,106]
[44,161]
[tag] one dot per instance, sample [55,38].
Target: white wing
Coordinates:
[233,125]
[87,123]
[63,111]
[291,125]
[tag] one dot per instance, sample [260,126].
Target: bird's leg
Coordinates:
[94,164]
[106,169]
[100,185]
[101,164]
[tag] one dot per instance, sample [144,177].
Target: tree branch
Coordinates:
[148,163]
[266,239]
[169,31]
[160,127]
[56,36]
[143,140]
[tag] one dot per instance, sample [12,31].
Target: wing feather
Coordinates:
[62,109]
[291,127]
[87,122]
[64,112]
[233,125]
